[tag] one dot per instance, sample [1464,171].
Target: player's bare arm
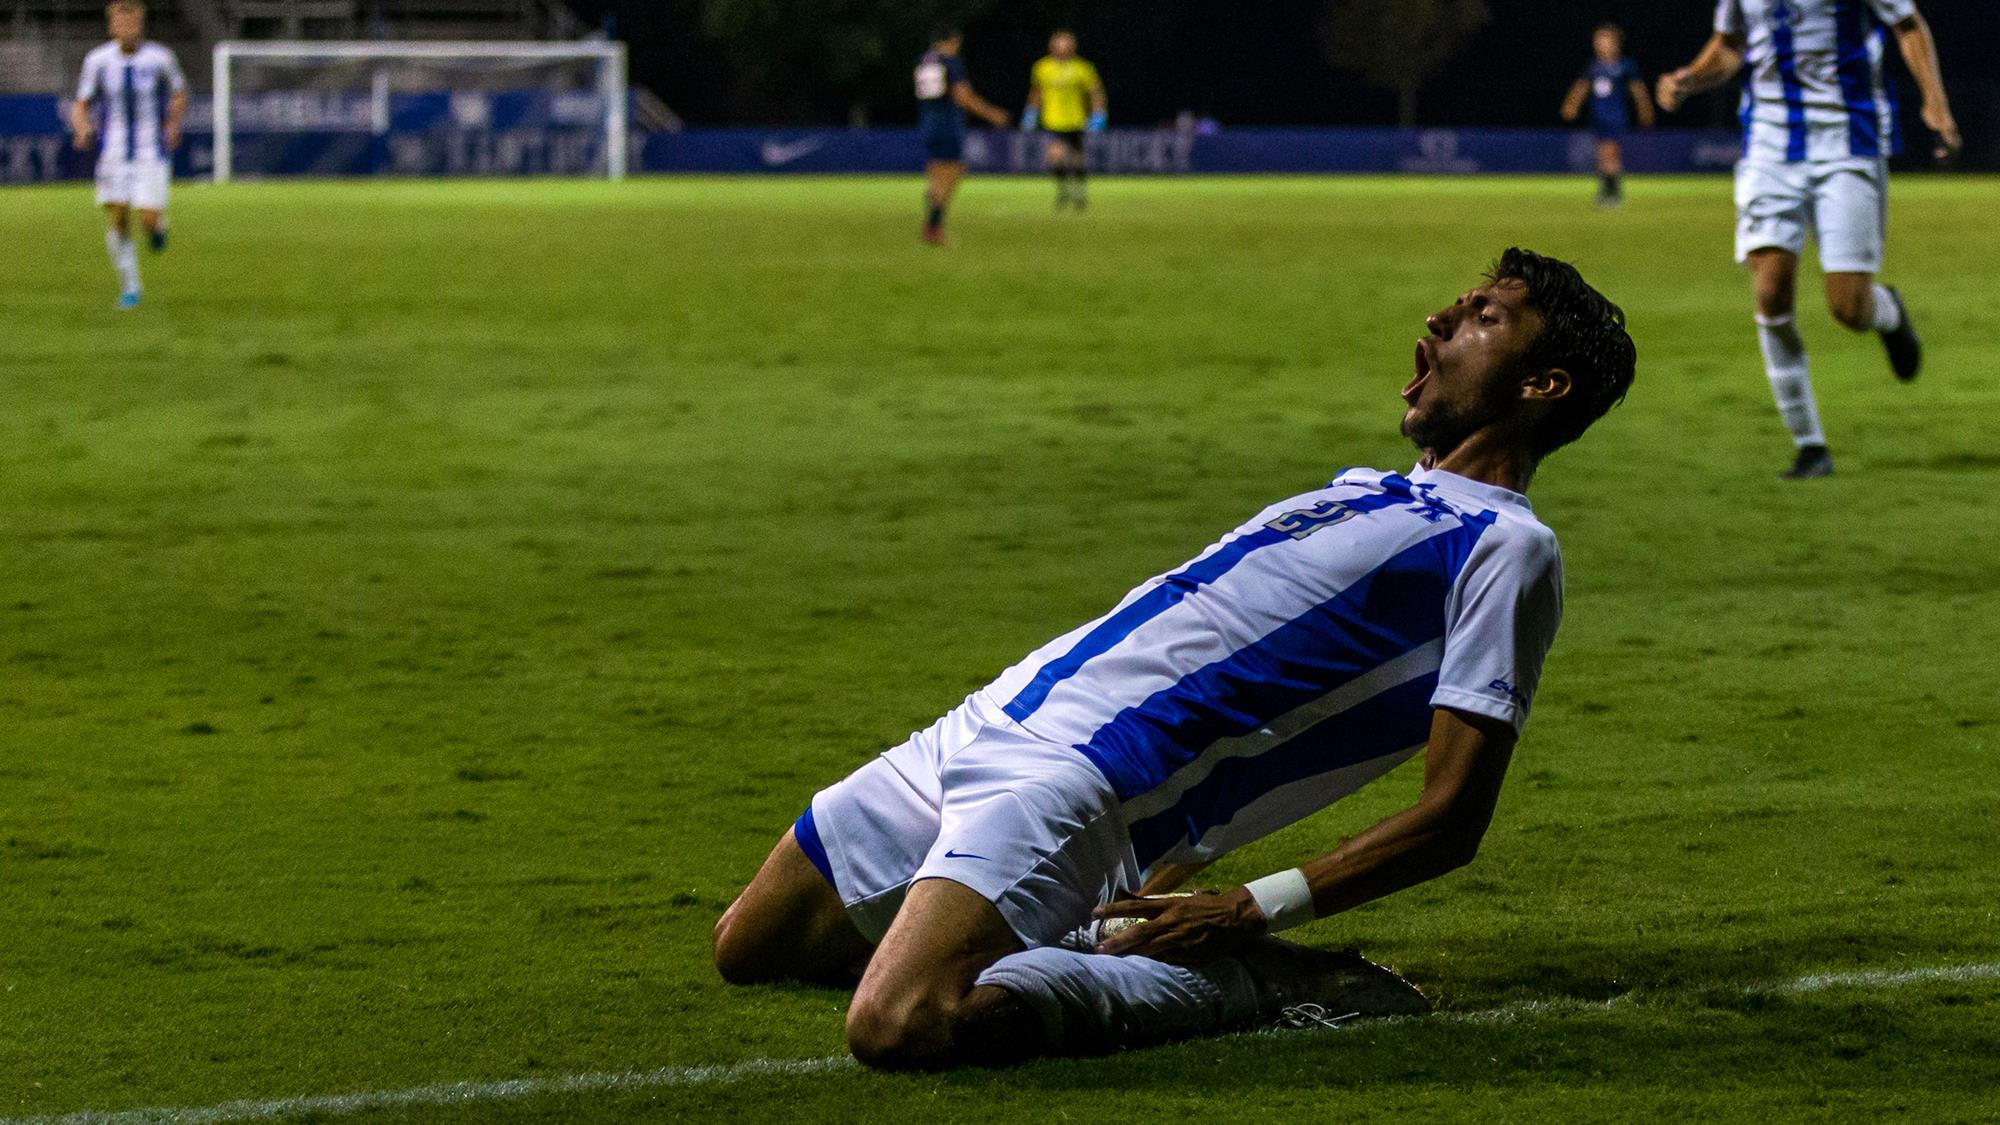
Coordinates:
[83,123]
[962,93]
[176,111]
[1644,102]
[1464,765]
[1919,50]
[1573,101]
[1720,58]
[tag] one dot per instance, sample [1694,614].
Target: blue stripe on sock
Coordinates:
[1393,609]
[807,835]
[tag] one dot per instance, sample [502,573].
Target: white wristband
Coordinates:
[1285,898]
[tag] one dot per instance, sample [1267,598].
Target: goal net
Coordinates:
[419,108]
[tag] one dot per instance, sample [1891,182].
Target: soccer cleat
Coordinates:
[935,236]
[129,300]
[158,239]
[1813,461]
[1906,351]
[1301,987]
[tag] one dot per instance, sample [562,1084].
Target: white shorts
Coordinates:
[1842,203]
[1031,826]
[140,183]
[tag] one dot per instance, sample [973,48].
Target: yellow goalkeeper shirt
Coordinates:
[1065,86]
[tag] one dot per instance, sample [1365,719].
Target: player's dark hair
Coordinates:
[1612,28]
[1582,333]
[945,32]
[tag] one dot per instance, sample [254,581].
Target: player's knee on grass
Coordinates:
[788,924]
[906,1032]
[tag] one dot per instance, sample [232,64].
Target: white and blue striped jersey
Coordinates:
[1300,657]
[1816,88]
[131,94]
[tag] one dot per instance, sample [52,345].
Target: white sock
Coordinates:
[125,258]
[1090,1002]
[1888,311]
[1791,385]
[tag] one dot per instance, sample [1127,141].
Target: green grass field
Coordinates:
[421,617]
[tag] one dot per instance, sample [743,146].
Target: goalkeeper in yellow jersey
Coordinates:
[1065,100]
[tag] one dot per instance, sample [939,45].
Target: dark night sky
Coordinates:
[1257,63]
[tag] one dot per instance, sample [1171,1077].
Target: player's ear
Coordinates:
[1546,385]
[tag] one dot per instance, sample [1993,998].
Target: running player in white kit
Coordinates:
[1331,637]
[1819,124]
[136,88]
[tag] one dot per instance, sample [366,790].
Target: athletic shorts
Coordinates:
[1608,130]
[1031,826]
[944,143]
[1072,138]
[1843,204]
[140,183]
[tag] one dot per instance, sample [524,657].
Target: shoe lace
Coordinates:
[1311,1015]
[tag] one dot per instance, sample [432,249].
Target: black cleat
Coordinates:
[1301,987]
[1813,461]
[159,239]
[1906,351]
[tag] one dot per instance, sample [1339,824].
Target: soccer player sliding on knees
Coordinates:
[962,877]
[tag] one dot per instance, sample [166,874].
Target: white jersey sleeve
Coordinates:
[1499,623]
[90,85]
[1892,12]
[1729,18]
[171,66]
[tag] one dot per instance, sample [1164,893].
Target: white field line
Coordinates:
[721,1074]
[447,1094]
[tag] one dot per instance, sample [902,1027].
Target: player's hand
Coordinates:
[1030,117]
[1185,930]
[1569,113]
[83,139]
[1000,119]
[1672,90]
[173,135]
[1937,117]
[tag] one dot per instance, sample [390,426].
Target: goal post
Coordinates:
[385,64]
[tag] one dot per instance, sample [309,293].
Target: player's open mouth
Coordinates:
[1423,362]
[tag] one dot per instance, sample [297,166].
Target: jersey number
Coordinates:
[1304,521]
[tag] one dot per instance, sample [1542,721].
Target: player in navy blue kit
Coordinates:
[943,96]
[1304,654]
[1605,84]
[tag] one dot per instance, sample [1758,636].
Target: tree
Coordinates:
[845,45]
[1399,45]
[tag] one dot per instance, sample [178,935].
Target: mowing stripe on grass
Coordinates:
[516,1089]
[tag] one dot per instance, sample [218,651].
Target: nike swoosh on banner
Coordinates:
[776,153]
